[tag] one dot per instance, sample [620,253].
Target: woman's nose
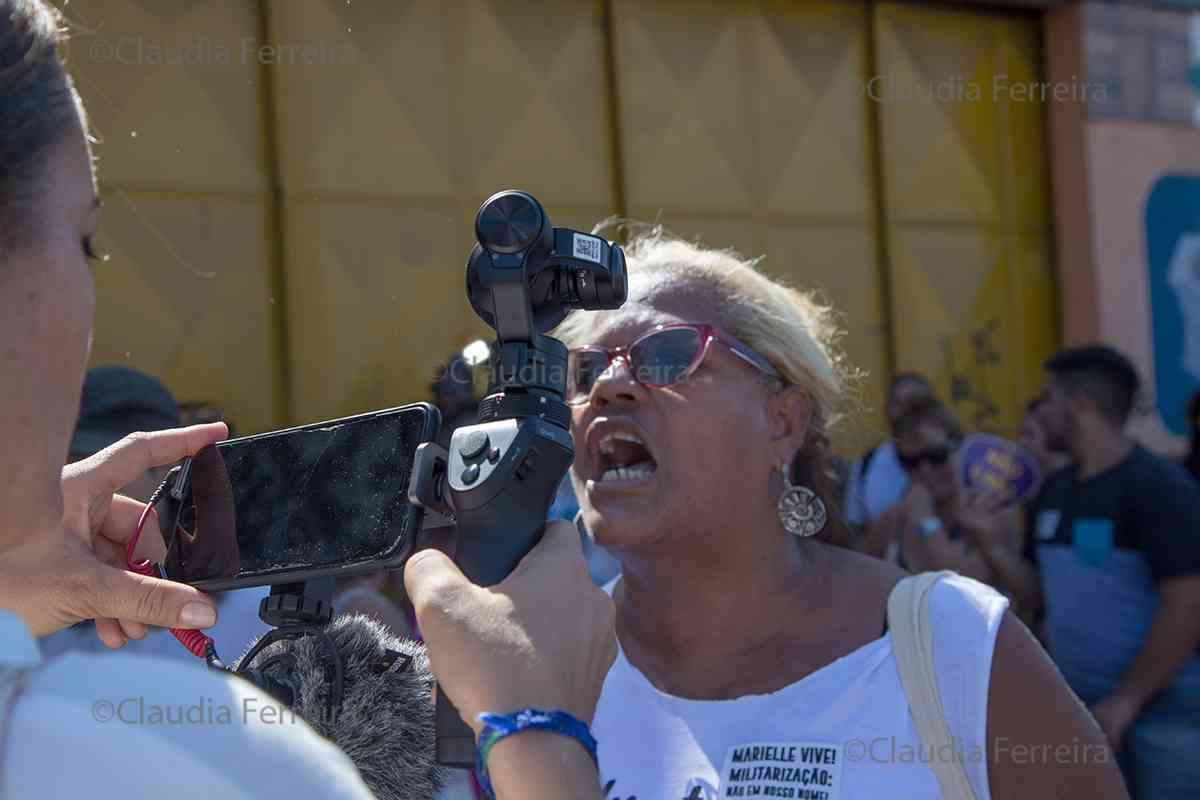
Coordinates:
[617,385]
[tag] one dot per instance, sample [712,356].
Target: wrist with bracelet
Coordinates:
[497,727]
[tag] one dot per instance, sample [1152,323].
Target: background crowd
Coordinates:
[1102,558]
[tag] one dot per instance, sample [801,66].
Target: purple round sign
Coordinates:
[990,465]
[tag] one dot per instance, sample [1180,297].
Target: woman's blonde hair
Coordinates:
[790,327]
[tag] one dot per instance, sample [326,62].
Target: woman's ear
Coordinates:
[790,411]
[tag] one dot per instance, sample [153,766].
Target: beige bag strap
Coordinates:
[912,641]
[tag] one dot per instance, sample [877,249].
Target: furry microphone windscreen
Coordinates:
[385,722]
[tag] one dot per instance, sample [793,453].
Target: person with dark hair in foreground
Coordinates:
[63,532]
[1115,565]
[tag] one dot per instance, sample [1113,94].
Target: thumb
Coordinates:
[141,598]
[433,580]
[125,461]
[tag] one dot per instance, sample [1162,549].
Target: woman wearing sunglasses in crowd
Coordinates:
[938,524]
[752,651]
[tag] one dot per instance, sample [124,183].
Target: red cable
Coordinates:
[197,643]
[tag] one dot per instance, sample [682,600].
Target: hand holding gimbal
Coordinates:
[500,475]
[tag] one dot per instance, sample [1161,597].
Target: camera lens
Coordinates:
[509,222]
[614,291]
[600,287]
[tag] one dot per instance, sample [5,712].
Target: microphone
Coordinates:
[364,689]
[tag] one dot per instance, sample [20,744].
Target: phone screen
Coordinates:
[306,500]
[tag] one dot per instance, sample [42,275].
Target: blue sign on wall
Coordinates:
[1173,254]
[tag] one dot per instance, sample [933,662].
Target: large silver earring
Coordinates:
[801,512]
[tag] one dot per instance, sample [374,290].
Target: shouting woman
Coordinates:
[755,658]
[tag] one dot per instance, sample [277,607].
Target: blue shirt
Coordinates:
[120,727]
[1101,547]
[870,494]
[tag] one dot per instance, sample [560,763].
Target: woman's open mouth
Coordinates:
[623,456]
[620,457]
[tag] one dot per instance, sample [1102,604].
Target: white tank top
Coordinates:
[842,733]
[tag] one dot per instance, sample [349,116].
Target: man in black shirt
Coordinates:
[1113,550]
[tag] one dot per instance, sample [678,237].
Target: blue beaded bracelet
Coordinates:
[498,726]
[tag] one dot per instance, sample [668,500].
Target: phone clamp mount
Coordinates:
[305,603]
[499,477]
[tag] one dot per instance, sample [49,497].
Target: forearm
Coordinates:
[971,564]
[939,552]
[873,540]
[539,765]
[1013,573]
[1173,639]
[1033,719]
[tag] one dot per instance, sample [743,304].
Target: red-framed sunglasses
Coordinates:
[663,357]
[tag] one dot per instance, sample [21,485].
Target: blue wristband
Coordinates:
[498,726]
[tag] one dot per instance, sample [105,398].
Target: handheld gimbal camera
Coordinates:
[500,475]
[495,484]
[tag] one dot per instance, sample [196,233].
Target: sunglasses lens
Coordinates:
[583,368]
[935,458]
[663,358]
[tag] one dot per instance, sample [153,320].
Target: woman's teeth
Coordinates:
[624,446]
[606,444]
[643,470]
